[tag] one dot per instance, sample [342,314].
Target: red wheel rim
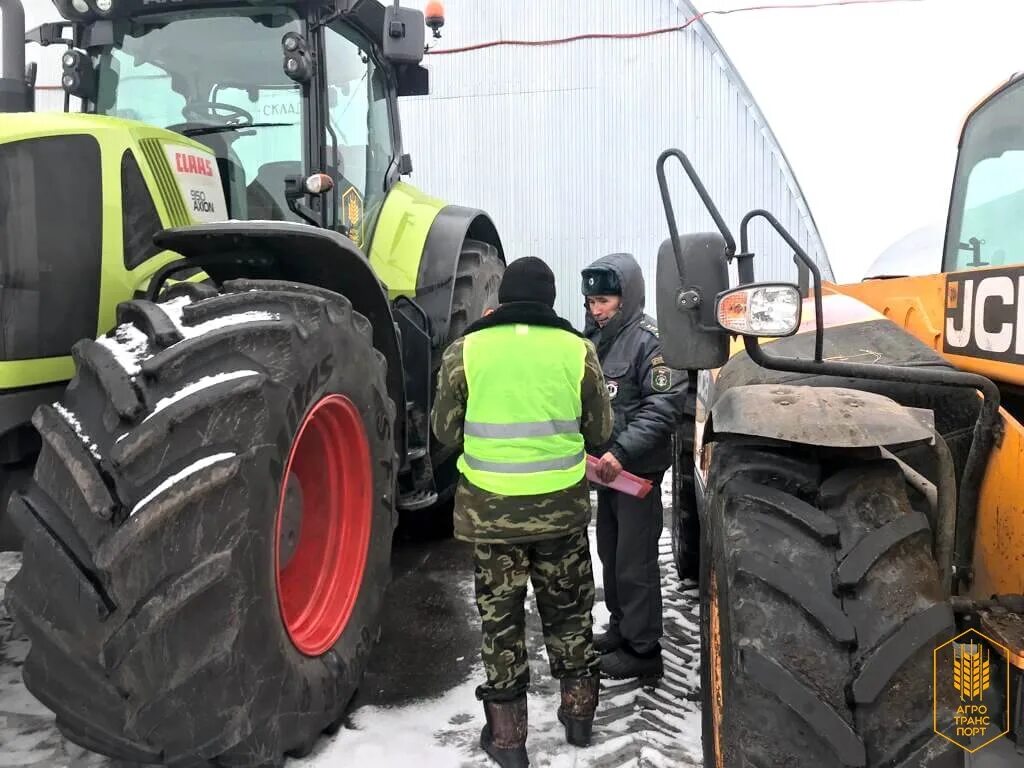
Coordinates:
[318,584]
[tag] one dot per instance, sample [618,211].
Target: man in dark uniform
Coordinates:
[647,398]
[524,393]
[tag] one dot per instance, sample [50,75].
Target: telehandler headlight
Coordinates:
[760,309]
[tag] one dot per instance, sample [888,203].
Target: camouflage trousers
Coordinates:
[563,584]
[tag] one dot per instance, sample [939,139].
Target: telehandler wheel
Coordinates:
[794,675]
[684,519]
[208,535]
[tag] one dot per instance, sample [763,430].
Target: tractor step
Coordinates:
[417,500]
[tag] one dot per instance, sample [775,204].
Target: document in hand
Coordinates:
[626,482]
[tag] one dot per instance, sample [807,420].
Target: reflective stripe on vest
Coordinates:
[522,426]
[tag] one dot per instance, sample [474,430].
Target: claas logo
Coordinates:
[971,698]
[201,166]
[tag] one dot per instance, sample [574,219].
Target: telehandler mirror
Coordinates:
[691,337]
[405,35]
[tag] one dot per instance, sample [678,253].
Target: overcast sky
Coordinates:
[867,102]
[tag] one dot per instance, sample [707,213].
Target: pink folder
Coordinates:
[626,482]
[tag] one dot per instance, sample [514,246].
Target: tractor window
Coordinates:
[49,188]
[987,216]
[215,76]
[358,140]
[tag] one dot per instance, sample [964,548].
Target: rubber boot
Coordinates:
[579,702]
[504,736]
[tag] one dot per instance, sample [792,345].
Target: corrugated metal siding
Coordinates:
[559,143]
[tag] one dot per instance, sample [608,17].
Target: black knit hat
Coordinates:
[528,279]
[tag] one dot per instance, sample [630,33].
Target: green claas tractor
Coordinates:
[223,311]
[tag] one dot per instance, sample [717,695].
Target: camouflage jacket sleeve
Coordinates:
[449,411]
[597,421]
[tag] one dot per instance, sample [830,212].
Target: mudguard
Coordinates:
[435,284]
[415,250]
[833,417]
[300,253]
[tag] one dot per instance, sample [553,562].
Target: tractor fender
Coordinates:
[833,417]
[278,250]
[435,283]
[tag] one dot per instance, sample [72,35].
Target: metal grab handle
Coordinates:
[670,215]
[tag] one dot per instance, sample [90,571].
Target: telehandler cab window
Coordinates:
[215,76]
[986,225]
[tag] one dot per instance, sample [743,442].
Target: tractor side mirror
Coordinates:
[404,35]
[691,337]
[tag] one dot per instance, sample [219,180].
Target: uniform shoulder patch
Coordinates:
[657,360]
[661,378]
[650,327]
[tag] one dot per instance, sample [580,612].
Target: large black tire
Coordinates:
[149,581]
[798,675]
[13,477]
[477,279]
[684,518]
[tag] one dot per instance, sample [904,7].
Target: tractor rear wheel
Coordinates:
[794,673]
[477,279]
[208,534]
[478,276]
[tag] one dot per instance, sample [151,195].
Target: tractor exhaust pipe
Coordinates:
[14,92]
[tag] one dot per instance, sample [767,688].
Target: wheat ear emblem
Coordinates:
[971,672]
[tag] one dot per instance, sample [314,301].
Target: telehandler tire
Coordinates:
[208,534]
[796,674]
[684,518]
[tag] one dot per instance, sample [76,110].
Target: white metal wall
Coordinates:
[559,143]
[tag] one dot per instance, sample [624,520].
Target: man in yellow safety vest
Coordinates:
[524,393]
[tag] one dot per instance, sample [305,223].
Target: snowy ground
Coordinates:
[408,714]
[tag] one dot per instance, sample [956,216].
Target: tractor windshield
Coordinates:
[986,223]
[218,77]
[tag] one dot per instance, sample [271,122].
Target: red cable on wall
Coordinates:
[663,30]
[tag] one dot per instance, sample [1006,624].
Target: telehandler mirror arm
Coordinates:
[746,270]
[688,297]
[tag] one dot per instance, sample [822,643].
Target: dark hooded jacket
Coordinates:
[647,396]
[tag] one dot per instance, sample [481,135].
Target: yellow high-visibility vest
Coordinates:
[522,427]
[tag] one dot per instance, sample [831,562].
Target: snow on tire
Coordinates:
[208,532]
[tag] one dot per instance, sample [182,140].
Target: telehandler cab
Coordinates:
[852,463]
[223,310]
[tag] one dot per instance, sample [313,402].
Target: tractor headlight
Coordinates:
[760,309]
[104,6]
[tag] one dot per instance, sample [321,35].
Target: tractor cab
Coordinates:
[278,91]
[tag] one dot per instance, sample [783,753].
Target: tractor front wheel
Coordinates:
[821,605]
[208,534]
